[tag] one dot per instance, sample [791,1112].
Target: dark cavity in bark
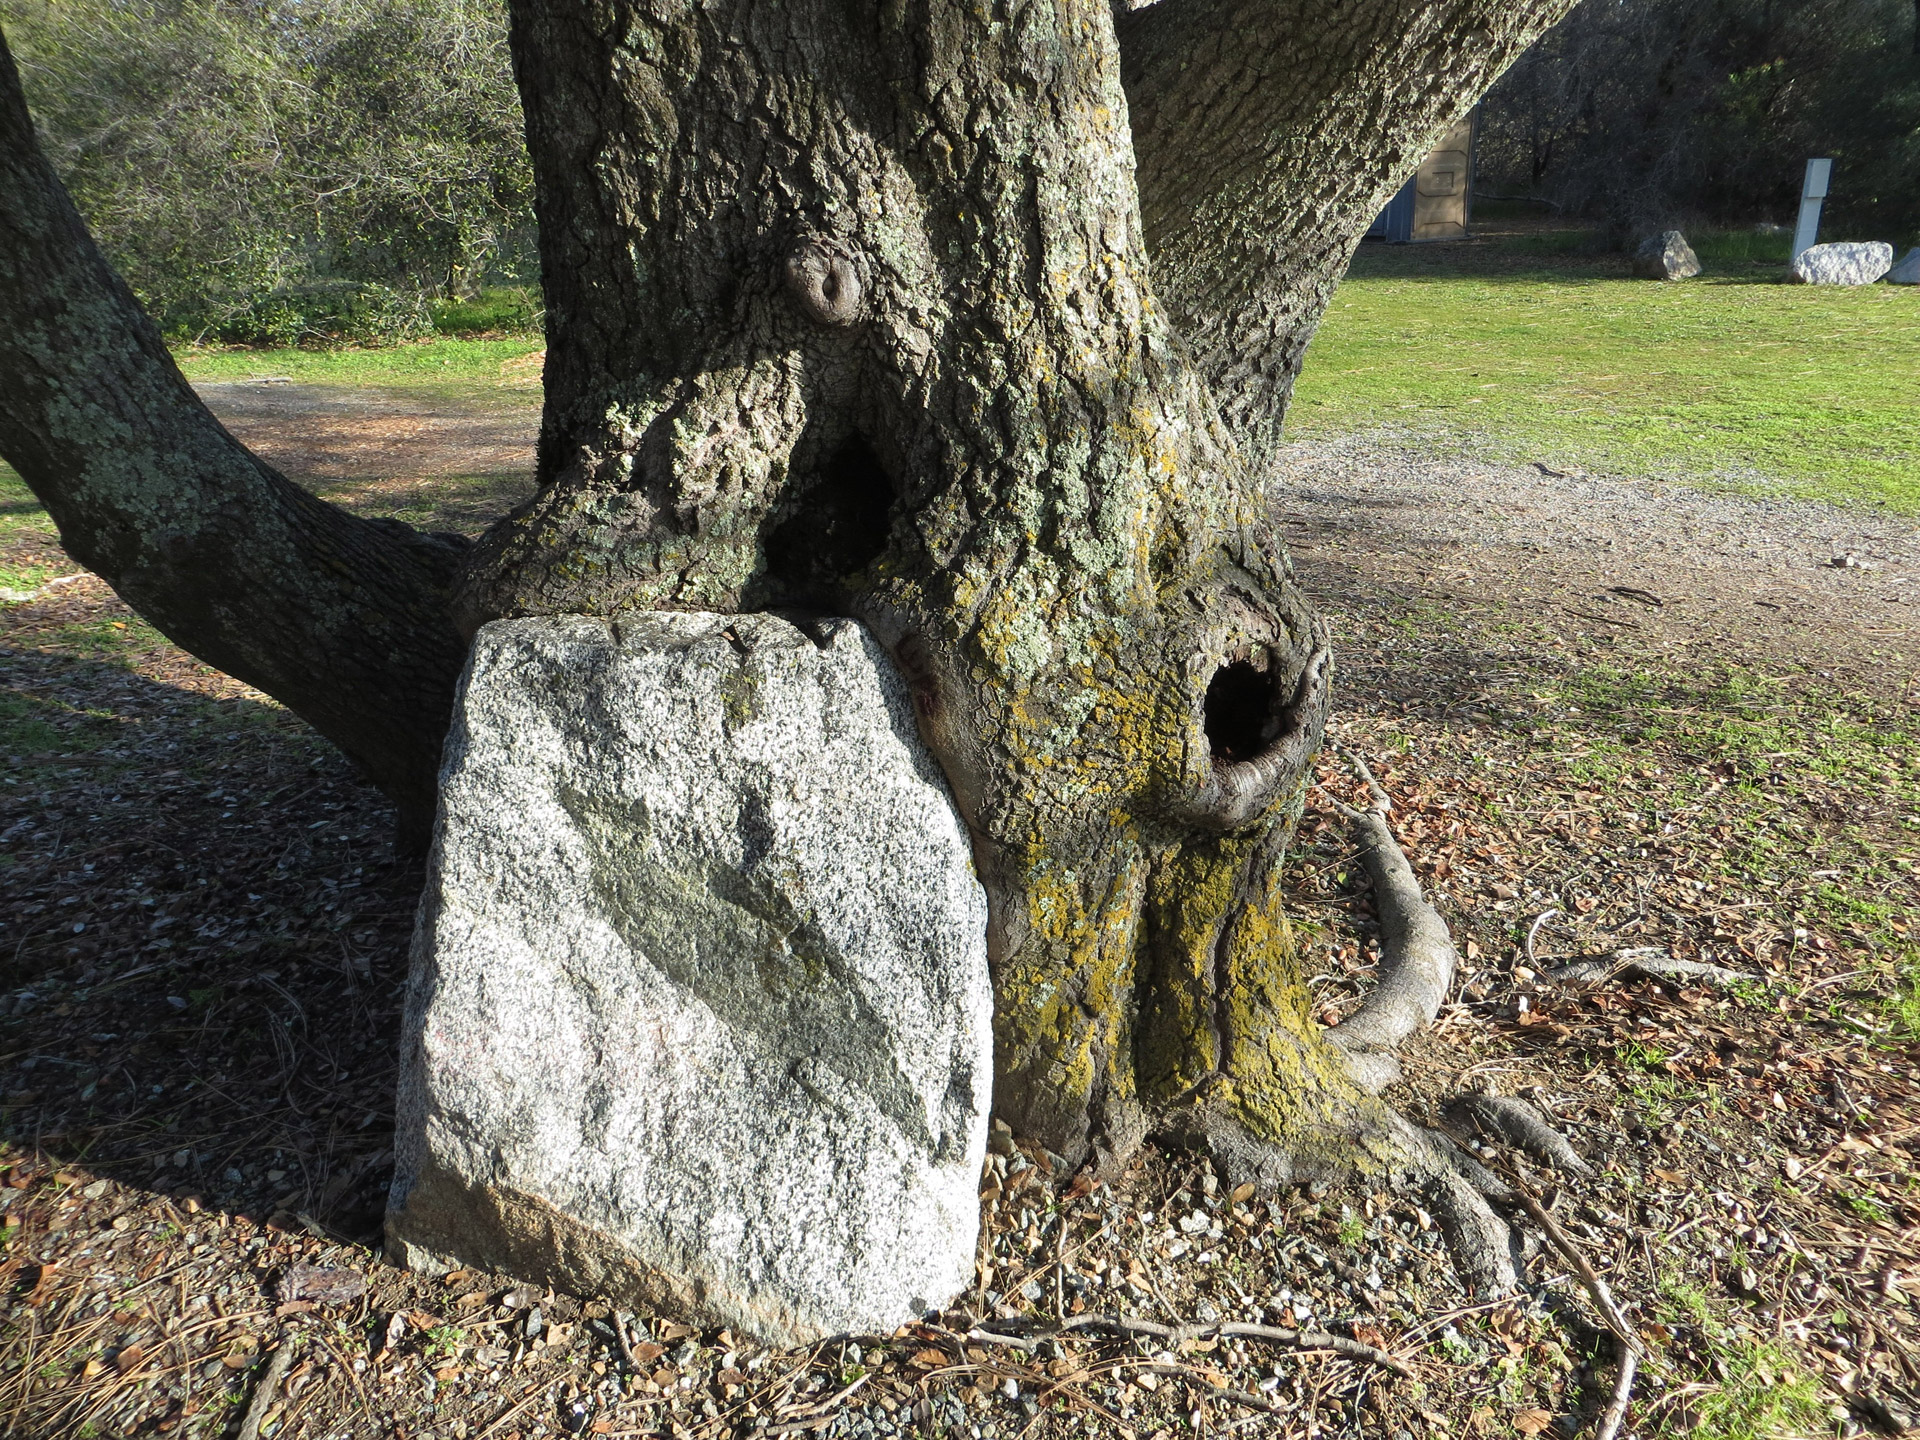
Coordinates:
[835,525]
[1243,710]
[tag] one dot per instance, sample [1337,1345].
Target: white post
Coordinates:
[1812,191]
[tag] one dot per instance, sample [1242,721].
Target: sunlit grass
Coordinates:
[1535,348]
[21,513]
[1521,354]
[446,363]
[1757,1390]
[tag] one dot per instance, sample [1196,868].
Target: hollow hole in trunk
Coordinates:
[835,524]
[1240,711]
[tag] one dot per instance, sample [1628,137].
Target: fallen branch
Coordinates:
[264,1392]
[1634,592]
[824,1407]
[1622,1390]
[626,1344]
[1596,1287]
[794,1427]
[1177,1334]
[1220,1392]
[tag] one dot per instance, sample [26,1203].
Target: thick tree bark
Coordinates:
[1268,135]
[342,620]
[851,308]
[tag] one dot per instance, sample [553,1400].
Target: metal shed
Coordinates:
[1436,203]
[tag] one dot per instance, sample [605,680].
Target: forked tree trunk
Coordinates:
[851,309]
[851,312]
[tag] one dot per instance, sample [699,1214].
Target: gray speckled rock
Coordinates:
[1666,256]
[1844,262]
[699,1014]
[1906,270]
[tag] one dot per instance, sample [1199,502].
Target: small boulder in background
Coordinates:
[1666,256]
[1843,262]
[1907,270]
[699,1015]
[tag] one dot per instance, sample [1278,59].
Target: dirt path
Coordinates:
[1671,569]
[447,462]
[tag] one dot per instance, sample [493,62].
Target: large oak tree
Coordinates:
[971,318]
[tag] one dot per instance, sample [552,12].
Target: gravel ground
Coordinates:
[1769,577]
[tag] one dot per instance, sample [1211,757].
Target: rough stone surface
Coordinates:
[1844,262]
[699,1013]
[1666,256]
[1907,270]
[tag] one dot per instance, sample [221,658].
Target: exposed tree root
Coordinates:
[1417,965]
[1402,1155]
[1417,958]
[1520,1124]
[1482,1244]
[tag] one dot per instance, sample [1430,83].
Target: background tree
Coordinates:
[868,307]
[280,172]
[1650,112]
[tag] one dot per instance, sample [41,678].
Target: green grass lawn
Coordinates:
[1538,348]
[449,363]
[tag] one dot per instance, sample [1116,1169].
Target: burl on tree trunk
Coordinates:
[899,309]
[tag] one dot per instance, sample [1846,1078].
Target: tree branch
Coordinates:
[342,620]
[1267,135]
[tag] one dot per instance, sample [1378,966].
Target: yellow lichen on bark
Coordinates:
[1285,1080]
[1065,998]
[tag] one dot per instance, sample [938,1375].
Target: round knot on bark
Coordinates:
[826,281]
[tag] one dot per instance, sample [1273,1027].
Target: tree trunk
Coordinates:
[851,310]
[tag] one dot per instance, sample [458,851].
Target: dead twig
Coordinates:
[1060,1269]
[626,1344]
[268,1387]
[1220,1392]
[1176,1334]
[1534,930]
[1595,1286]
[1634,592]
[833,1401]
[1622,1391]
[533,1393]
